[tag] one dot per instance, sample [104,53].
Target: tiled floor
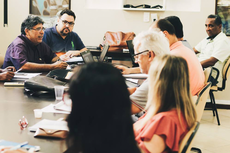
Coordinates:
[212,138]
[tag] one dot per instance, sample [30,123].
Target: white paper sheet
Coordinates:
[50,124]
[136,76]
[50,109]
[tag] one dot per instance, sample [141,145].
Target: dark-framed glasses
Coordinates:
[137,55]
[39,29]
[67,23]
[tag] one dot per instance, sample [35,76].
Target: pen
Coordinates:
[18,70]
[19,146]
[72,45]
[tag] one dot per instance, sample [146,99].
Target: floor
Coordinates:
[212,138]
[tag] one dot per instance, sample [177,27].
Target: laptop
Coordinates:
[131,52]
[88,57]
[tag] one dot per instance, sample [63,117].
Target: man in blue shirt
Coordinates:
[62,39]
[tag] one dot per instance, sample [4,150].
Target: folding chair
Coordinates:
[215,88]
[185,145]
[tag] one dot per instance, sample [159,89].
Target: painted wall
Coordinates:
[91,24]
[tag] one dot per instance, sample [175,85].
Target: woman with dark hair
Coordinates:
[100,120]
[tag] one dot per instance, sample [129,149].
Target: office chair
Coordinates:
[215,88]
[186,142]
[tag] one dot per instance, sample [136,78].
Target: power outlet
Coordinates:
[146,16]
[154,17]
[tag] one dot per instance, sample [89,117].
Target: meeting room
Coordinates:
[128,76]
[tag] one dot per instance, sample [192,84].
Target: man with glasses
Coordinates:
[28,53]
[147,45]
[62,39]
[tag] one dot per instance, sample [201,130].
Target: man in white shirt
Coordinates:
[214,49]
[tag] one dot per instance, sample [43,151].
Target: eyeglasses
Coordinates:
[66,22]
[39,29]
[137,55]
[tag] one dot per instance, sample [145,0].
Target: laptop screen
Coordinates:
[87,56]
[131,51]
[103,53]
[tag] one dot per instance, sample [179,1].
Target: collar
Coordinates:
[212,37]
[28,41]
[175,45]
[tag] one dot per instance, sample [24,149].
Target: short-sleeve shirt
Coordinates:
[139,97]
[57,44]
[163,124]
[196,73]
[22,50]
[219,47]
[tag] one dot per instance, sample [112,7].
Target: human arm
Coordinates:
[196,51]
[75,52]
[126,70]
[209,62]
[156,144]
[34,67]
[132,90]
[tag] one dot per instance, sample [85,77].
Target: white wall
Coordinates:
[91,24]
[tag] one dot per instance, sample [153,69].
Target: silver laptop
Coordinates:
[88,57]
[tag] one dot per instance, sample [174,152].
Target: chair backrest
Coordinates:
[207,74]
[186,143]
[1,60]
[201,100]
[226,69]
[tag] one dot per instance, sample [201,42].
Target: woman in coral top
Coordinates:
[170,112]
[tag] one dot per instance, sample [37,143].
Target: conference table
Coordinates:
[14,104]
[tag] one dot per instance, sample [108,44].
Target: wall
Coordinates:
[91,24]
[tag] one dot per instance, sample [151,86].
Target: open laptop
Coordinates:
[88,57]
[131,52]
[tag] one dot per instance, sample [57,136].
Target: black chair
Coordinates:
[216,88]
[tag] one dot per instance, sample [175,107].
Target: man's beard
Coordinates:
[62,32]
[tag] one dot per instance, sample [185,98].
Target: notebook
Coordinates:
[131,52]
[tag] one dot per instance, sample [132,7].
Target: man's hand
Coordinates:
[60,65]
[124,69]
[72,53]
[6,76]
[9,68]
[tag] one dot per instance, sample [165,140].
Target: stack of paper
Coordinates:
[24,76]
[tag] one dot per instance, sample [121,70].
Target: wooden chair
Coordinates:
[1,60]
[185,145]
[215,88]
